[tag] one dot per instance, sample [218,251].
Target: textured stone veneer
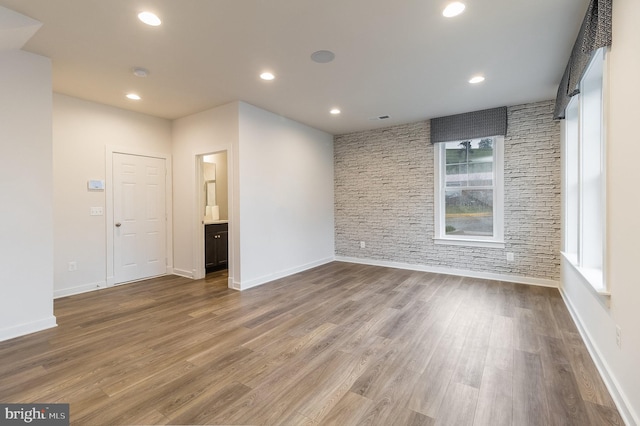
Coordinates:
[384,196]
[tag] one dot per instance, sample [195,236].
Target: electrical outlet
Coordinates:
[73,266]
[510,257]
[362,244]
[618,336]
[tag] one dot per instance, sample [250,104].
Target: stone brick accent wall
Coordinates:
[384,196]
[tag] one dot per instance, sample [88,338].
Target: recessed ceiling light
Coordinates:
[140,72]
[323,56]
[133,97]
[476,79]
[149,18]
[267,76]
[453,9]
[335,111]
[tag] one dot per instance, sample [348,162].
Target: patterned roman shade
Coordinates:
[595,33]
[470,125]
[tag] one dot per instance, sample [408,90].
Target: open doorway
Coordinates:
[214,210]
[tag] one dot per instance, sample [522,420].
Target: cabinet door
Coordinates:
[222,248]
[209,246]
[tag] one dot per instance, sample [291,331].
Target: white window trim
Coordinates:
[573,251]
[592,275]
[497,240]
[571,181]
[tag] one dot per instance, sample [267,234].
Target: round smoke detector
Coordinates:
[322,56]
[140,72]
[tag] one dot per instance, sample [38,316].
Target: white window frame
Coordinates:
[584,196]
[571,184]
[495,241]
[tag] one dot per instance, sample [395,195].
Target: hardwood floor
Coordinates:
[341,344]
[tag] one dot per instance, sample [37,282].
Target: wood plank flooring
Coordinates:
[341,344]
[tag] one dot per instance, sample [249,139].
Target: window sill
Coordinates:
[468,242]
[595,277]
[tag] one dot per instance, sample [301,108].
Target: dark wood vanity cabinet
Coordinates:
[216,246]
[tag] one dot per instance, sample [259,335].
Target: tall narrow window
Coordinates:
[584,195]
[468,193]
[572,180]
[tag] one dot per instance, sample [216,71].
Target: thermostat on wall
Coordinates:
[95,185]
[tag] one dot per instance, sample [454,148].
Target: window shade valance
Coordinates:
[595,33]
[470,125]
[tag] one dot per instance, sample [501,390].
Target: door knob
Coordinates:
[118,224]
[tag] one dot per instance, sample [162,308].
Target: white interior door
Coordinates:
[139,217]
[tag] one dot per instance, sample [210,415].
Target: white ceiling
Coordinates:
[399,58]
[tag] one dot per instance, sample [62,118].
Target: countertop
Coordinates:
[214,222]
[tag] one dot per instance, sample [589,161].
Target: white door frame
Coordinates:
[110,150]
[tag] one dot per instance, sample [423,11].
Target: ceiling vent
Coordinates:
[378,118]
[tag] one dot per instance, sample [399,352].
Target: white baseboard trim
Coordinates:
[64,292]
[451,271]
[245,285]
[234,285]
[183,273]
[27,328]
[110,282]
[619,398]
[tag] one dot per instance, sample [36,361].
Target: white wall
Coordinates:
[598,322]
[81,132]
[287,177]
[286,196]
[203,133]
[280,181]
[26,215]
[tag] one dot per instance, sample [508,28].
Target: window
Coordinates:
[571,179]
[468,192]
[584,186]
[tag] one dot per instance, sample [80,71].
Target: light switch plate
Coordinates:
[96,211]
